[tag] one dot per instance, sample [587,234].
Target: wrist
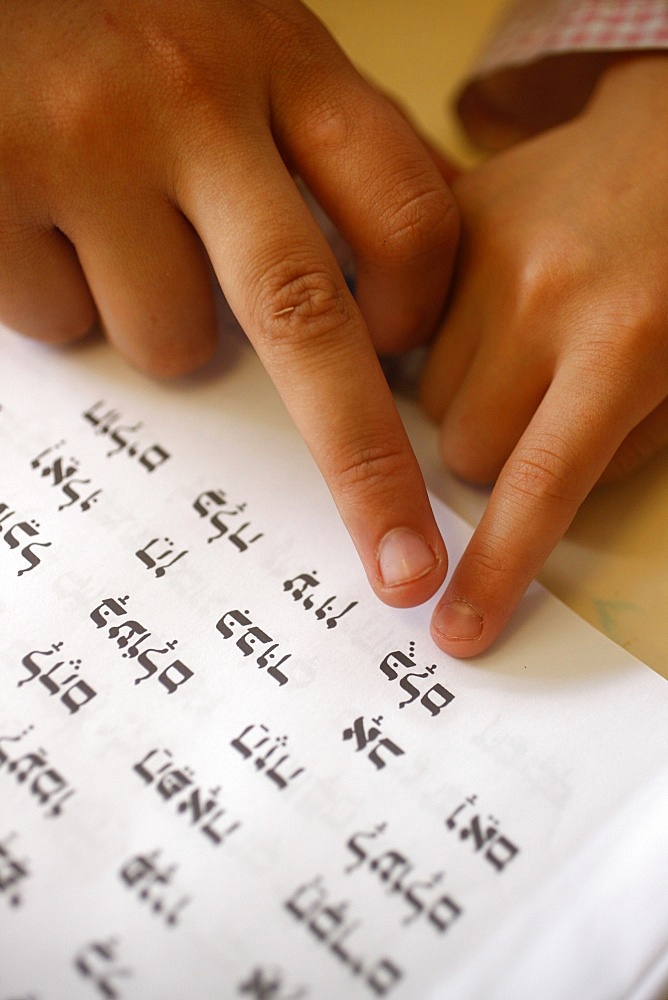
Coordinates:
[634,85]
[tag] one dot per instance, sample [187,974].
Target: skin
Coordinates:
[158,139]
[550,371]
[141,143]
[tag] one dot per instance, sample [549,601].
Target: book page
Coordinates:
[227,770]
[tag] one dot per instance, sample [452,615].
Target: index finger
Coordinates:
[559,458]
[284,285]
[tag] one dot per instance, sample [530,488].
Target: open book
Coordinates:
[226,770]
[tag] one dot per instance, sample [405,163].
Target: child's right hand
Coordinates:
[551,368]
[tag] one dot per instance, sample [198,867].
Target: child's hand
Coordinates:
[551,370]
[140,140]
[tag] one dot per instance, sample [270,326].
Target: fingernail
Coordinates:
[403,555]
[458,620]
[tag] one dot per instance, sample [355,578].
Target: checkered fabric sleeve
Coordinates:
[533,29]
[542,62]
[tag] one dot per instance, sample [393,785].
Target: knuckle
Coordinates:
[102,98]
[489,564]
[639,446]
[301,305]
[543,277]
[372,468]
[479,469]
[172,360]
[541,270]
[76,95]
[60,329]
[64,329]
[183,64]
[327,128]
[620,341]
[628,457]
[637,318]
[541,475]
[420,222]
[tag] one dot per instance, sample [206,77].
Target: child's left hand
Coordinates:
[551,369]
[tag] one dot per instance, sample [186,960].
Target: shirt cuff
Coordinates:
[544,58]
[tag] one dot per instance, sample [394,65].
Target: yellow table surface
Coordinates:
[612,567]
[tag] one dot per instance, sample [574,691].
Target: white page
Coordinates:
[501,834]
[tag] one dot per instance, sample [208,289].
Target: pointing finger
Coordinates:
[559,458]
[290,297]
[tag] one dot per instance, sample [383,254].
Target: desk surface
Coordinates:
[612,566]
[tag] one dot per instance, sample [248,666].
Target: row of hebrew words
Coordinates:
[101,965]
[132,638]
[268,755]
[33,770]
[158,554]
[394,870]
[132,635]
[60,472]
[61,675]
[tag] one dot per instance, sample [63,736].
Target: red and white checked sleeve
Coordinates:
[533,29]
[519,64]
